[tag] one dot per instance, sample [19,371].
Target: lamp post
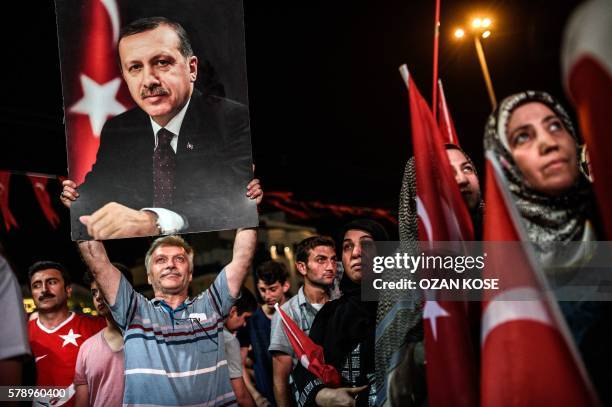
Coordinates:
[481,28]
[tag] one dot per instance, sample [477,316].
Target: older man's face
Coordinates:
[169,270]
[159,77]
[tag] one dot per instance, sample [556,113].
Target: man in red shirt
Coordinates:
[57,334]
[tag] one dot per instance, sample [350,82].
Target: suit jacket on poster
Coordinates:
[213,167]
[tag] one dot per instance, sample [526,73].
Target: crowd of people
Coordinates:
[225,347]
[222,347]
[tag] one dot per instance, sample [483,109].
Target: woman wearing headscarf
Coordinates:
[345,327]
[400,352]
[534,140]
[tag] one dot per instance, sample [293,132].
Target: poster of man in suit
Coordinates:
[157,123]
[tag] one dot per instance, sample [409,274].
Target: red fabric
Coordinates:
[314,209]
[590,85]
[42,196]
[309,353]
[97,63]
[526,360]
[443,216]
[55,351]
[7,215]
[445,121]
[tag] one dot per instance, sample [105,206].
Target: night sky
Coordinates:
[329,111]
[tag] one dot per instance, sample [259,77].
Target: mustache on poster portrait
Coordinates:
[156,91]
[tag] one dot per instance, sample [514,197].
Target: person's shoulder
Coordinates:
[32,326]
[127,118]
[220,106]
[90,343]
[291,304]
[90,321]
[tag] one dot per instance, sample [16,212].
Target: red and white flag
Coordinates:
[98,93]
[7,215]
[587,70]
[44,200]
[308,353]
[445,121]
[528,357]
[443,216]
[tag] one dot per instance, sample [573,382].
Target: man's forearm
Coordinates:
[81,397]
[258,398]
[243,397]
[281,394]
[282,365]
[106,275]
[244,250]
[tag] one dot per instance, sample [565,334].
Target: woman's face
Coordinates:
[542,148]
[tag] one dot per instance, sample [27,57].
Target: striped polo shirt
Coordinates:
[175,357]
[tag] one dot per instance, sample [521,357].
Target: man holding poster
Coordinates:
[178,162]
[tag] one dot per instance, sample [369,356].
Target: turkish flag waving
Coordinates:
[308,353]
[528,357]
[445,121]
[44,200]
[5,210]
[98,93]
[587,66]
[442,213]
[443,216]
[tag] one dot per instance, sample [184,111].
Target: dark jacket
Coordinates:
[213,167]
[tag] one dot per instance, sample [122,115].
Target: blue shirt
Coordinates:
[175,357]
[257,334]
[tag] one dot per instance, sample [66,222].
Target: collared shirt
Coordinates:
[169,221]
[173,126]
[175,356]
[302,312]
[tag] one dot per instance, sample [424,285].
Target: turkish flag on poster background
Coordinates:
[443,216]
[97,91]
[587,66]
[528,357]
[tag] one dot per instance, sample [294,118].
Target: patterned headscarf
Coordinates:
[547,218]
[399,313]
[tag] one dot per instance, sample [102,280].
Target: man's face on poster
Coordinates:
[159,77]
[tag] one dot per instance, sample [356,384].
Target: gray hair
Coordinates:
[172,240]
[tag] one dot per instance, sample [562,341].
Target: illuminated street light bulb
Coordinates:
[459,33]
[486,34]
[476,23]
[486,22]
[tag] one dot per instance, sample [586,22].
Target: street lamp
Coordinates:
[481,27]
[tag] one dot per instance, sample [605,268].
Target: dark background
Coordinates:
[329,111]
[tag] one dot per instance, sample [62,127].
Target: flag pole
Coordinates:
[485,71]
[434,89]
